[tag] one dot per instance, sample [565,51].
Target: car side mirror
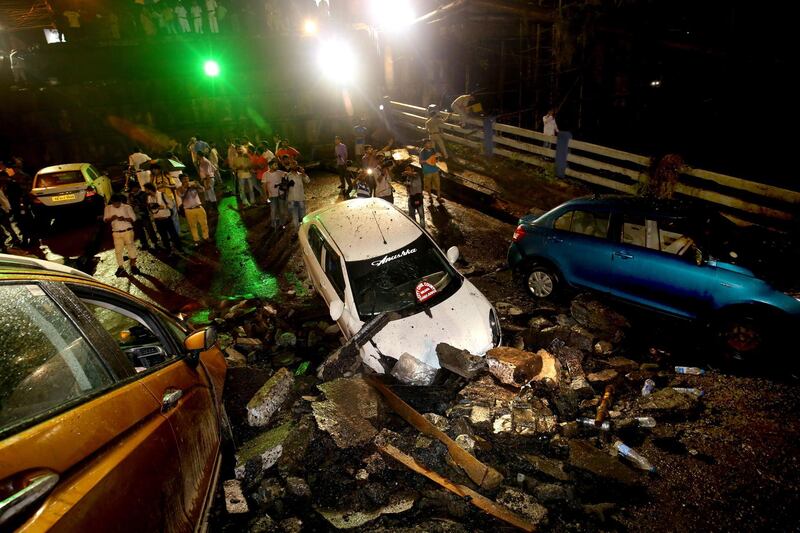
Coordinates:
[199,341]
[453,254]
[336,309]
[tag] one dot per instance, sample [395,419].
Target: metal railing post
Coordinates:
[488,135]
[562,151]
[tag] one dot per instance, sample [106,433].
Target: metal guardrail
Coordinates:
[605,167]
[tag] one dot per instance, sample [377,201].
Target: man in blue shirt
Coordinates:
[428,157]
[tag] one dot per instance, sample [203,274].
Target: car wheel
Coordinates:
[740,337]
[541,282]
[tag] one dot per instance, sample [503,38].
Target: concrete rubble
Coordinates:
[328,441]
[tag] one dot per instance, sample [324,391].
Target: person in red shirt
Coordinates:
[285,149]
[260,165]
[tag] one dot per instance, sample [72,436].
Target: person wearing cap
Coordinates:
[121,217]
[428,157]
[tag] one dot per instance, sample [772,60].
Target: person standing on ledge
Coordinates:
[550,127]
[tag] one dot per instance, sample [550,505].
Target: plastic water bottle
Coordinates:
[648,387]
[632,455]
[689,390]
[591,423]
[693,370]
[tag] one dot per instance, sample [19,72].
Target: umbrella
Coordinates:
[165,164]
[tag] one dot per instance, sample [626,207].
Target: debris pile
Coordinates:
[549,431]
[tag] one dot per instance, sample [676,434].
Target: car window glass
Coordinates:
[92,173]
[54,179]
[673,238]
[333,269]
[634,231]
[45,362]
[589,223]
[564,221]
[315,241]
[139,341]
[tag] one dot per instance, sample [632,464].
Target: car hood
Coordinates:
[461,321]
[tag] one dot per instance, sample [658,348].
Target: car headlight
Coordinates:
[494,324]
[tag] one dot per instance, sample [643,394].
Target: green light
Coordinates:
[211,68]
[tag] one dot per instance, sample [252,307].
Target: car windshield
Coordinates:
[390,282]
[54,179]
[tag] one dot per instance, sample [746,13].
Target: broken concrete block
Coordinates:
[458,361]
[270,398]
[512,366]
[298,487]
[412,371]
[362,475]
[235,502]
[439,421]
[291,525]
[603,377]
[295,447]
[466,443]
[347,519]
[549,467]
[552,492]
[598,317]
[532,419]
[234,358]
[539,323]
[581,338]
[524,504]
[551,369]
[345,424]
[246,344]
[261,452]
[484,389]
[355,393]
[603,348]
[480,415]
[623,364]
[507,309]
[503,424]
[587,458]
[581,387]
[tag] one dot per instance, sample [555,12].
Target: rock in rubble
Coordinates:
[412,371]
[458,361]
[291,525]
[234,357]
[298,487]
[355,393]
[247,345]
[603,377]
[598,317]
[295,447]
[344,361]
[549,467]
[539,323]
[346,413]
[517,367]
[270,398]
[348,519]
[485,389]
[507,309]
[439,421]
[466,442]
[235,503]
[552,492]
[603,348]
[260,453]
[286,339]
[623,364]
[668,402]
[585,457]
[524,504]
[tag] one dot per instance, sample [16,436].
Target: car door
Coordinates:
[580,248]
[336,284]
[654,264]
[184,391]
[82,438]
[313,260]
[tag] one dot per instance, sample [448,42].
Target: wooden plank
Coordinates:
[635,175]
[532,148]
[460,140]
[762,189]
[730,201]
[407,107]
[481,474]
[522,132]
[598,180]
[475,498]
[610,152]
[524,158]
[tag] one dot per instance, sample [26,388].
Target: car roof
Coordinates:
[364,228]
[639,204]
[17,263]
[64,168]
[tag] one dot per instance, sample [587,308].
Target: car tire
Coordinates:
[740,337]
[540,282]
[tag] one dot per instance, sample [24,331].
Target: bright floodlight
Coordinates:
[337,61]
[392,15]
[211,68]
[310,27]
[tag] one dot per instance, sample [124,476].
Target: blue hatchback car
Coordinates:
[672,258]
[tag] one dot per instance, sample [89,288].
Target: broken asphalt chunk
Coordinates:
[269,398]
[459,361]
[260,453]
[587,458]
[235,502]
[668,402]
[399,503]
[517,367]
[524,504]
[598,317]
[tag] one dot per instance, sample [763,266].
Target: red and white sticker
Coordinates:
[424,291]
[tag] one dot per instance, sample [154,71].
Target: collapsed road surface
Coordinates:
[723,448]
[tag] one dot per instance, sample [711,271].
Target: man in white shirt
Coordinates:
[296,195]
[197,16]
[211,7]
[136,160]
[121,217]
[277,200]
[549,125]
[461,106]
[182,14]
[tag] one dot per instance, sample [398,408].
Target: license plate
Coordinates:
[63,197]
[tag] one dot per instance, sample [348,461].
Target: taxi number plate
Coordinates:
[63,197]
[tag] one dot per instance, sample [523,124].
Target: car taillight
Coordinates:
[90,192]
[519,233]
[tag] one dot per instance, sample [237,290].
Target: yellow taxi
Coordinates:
[111,411]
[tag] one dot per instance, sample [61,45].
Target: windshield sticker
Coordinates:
[424,291]
[387,258]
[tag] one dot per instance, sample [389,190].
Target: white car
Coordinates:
[70,184]
[366,257]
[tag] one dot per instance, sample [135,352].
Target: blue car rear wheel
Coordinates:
[541,282]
